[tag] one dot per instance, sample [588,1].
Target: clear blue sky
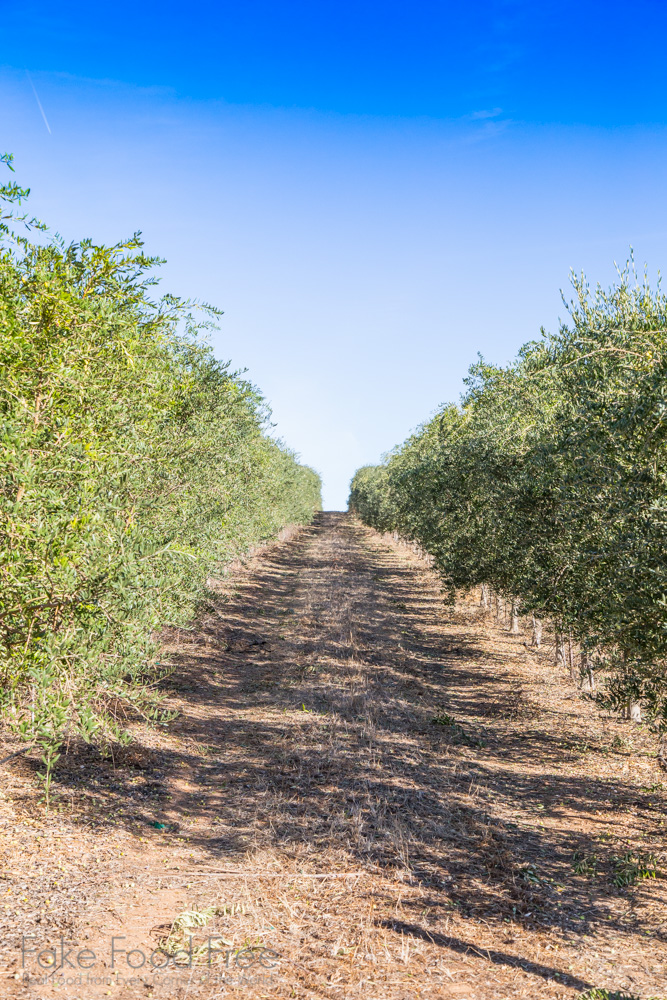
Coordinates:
[372,192]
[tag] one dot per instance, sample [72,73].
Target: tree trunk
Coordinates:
[586,673]
[484,595]
[514,627]
[536,641]
[573,671]
[560,650]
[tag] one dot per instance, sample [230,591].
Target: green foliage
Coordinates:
[549,484]
[585,864]
[602,994]
[443,719]
[631,868]
[132,465]
[529,874]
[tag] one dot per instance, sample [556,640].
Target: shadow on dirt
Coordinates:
[308,703]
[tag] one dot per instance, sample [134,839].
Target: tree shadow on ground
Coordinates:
[308,701]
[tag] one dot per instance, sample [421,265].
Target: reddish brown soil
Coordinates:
[307,804]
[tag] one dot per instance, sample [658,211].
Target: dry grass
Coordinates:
[305,802]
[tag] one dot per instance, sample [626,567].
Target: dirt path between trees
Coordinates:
[307,814]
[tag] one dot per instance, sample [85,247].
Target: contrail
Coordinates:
[39,103]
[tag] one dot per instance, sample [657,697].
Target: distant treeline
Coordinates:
[134,464]
[548,485]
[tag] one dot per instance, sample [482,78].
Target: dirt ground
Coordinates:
[366,793]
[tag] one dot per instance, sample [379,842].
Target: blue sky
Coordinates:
[372,193]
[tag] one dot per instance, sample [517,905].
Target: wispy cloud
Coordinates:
[39,103]
[486,113]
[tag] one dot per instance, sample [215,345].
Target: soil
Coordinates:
[366,792]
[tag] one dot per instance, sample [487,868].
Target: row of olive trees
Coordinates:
[133,464]
[549,485]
